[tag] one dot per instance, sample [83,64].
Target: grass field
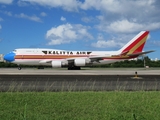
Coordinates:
[116,105]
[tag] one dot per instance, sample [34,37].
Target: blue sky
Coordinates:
[78,24]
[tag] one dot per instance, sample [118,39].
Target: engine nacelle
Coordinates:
[80,62]
[56,64]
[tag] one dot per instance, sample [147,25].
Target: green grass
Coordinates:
[117,105]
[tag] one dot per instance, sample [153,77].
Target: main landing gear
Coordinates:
[40,67]
[74,68]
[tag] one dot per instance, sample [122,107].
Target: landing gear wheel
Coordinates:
[40,67]
[77,68]
[74,68]
[19,68]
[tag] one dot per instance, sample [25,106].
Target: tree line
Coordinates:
[124,64]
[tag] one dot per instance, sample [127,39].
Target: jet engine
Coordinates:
[81,62]
[56,64]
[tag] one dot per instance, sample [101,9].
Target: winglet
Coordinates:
[135,45]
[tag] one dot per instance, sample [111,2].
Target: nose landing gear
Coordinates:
[19,67]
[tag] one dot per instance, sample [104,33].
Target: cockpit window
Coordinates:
[14,50]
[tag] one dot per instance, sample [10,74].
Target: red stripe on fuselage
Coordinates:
[41,57]
[47,56]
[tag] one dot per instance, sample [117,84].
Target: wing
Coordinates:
[45,61]
[95,58]
[91,58]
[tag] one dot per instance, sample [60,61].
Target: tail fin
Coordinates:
[135,45]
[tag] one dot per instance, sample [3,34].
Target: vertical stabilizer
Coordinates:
[135,45]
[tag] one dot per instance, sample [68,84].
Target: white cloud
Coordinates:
[118,6]
[33,17]
[43,14]
[67,33]
[8,13]
[154,43]
[21,3]
[1,19]
[129,16]
[88,19]
[123,14]
[125,26]
[106,44]
[0,29]
[63,18]
[85,19]
[69,5]
[6,1]
[116,41]
[102,43]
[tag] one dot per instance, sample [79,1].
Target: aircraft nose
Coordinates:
[9,57]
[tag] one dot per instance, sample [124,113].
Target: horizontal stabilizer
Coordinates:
[124,53]
[140,53]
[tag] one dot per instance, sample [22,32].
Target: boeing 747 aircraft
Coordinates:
[76,59]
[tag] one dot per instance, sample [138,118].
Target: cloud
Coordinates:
[1,19]
[85,19]
[6,1]
[154,43]
[8,13]
[102,43]
[0,29]
[63,18]
[125,26]
[116,41]
[33,17]
[106,44]
[43,14]
[69,5]
[125,16]
[118,6]
[88,19]
[21,3]
[67,33]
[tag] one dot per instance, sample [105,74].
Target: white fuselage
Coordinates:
[42,56]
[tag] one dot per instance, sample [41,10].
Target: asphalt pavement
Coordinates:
[79,83]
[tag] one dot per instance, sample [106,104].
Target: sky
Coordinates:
[78,24]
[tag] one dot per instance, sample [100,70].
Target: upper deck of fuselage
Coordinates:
[40,51]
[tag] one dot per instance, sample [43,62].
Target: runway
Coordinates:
[83,80]
[84,71]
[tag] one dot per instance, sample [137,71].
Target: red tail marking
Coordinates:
[136,41]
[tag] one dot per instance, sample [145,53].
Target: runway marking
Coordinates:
[136,78]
